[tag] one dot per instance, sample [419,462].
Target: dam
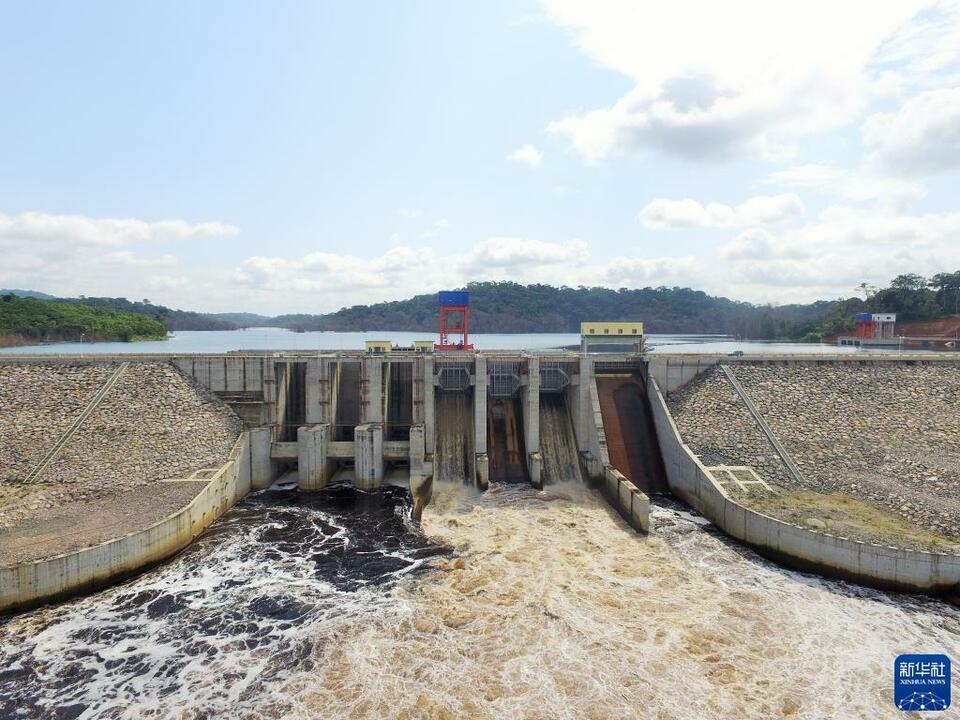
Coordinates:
[586,522]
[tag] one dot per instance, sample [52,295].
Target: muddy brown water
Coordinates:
[513,603]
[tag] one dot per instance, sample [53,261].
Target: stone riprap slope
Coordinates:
[38,403]
[717,426]
[883,432]
[155,424]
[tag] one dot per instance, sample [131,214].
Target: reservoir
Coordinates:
[220,341]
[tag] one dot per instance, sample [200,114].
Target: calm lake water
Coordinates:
[213,341]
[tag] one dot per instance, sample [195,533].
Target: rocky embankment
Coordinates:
[155,424]
[887,434]
[38,403]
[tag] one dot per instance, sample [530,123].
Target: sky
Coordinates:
[305,156]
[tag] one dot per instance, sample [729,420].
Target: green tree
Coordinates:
[909,282]
[867,289]
[947,286]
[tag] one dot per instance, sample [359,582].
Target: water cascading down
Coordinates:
[558,445]
[454,458]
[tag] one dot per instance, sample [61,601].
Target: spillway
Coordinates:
[454,457]
[347,393]
[628,425]
[557,442]
[398,381]
[505,448]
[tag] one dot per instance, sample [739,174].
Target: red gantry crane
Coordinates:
[454,320]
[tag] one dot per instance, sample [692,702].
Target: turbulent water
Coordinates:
[514,603]
[256,603]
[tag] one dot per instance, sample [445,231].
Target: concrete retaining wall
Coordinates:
[631,502]
[865,563]
[30,584]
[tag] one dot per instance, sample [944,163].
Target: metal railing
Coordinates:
[555,375]
[453,375]
[503,378]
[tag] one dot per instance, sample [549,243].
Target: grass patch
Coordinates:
[847,516]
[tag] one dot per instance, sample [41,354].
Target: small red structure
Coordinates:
[875,326]
[865,327]
[454,320]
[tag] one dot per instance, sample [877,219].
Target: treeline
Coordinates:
[171,319]
[914,298]
[512,307]
[25,321]
[509,307]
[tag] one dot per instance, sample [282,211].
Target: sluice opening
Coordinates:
[558,446]
[291,398]
[346,377]
[628,425]
[454,458]
[505,448]
[399,401]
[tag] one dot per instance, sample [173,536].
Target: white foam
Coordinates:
[554,608]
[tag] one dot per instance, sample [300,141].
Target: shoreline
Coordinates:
[21,340]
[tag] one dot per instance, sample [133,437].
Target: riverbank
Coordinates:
[8,340]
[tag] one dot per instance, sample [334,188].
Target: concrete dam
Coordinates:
[587,521]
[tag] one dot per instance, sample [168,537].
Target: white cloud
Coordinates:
[922,137]
[849,185]
[71,230]
[439,226]
[845,246]
[509,252]
[752,243]
[127,259]
[71,255]
[641,272]
[167,282]
[715,81]
[528,155]
[760,210]
[927,44]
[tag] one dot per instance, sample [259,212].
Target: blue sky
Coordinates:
[303,156]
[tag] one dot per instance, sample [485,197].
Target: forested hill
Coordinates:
[26,321]
[511,307]
[172,319]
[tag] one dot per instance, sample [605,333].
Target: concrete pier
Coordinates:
[530,393]
[368,456]
[317,392]
[313,464]
[371,390]
[262,467]
[480,405]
